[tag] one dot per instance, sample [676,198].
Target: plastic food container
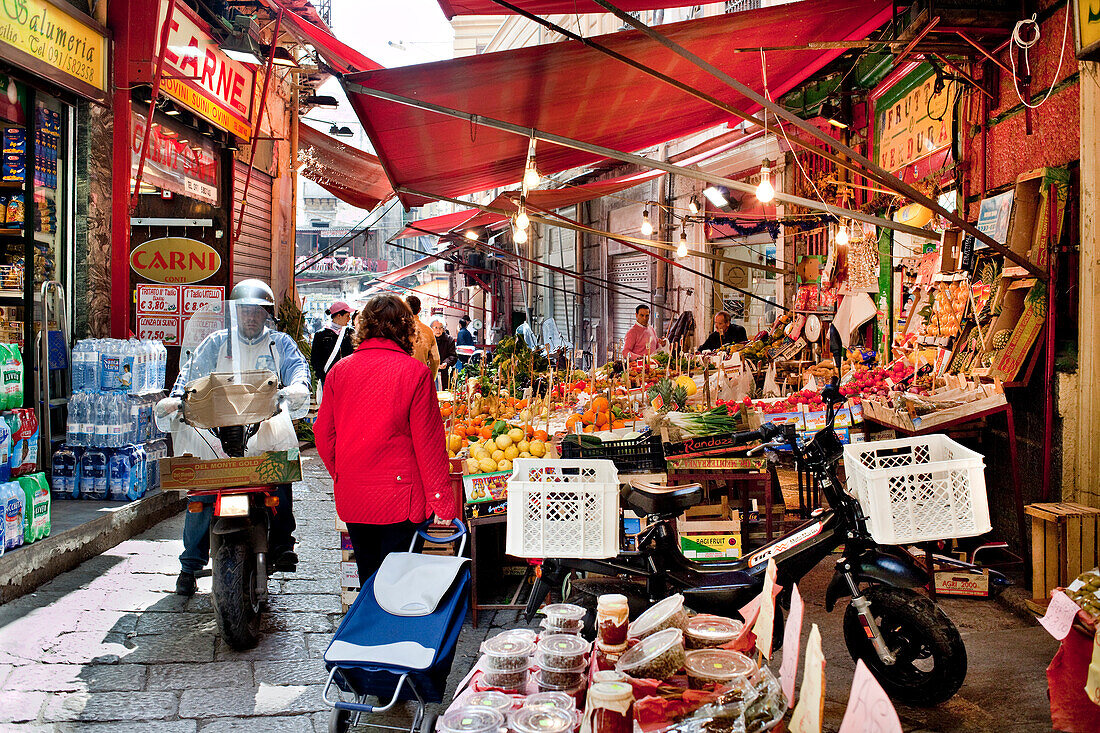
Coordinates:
[468,719]
[561,651]
[491,699]
[564,678]
[705,631]
[658,656]
[563,618]
[542,720]
[507,653]
[722,666]
[525,634]
[551,700]
[665,614]
[608,675]
[575,691]
[511,680]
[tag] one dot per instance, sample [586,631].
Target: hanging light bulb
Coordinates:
[471,234]
[764,191]
[841,237]
[682,248]
[531,178]
[693,205]
[647,227]
[521,219]
[519,236]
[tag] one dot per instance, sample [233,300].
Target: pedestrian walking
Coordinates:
[448,356]
[424,348]
[333,343]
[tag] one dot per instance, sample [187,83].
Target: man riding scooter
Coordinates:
[254,346]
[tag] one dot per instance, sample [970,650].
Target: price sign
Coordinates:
[159,328]
[195,299]
[161,300]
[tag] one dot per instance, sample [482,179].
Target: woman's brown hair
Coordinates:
[387,317]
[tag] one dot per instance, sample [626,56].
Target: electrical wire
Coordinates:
[1025,45]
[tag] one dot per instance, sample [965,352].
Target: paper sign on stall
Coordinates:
[792,644]
[869,708]
[1060,614]
[159,328]
[811,697]
[195,299]
[765,620]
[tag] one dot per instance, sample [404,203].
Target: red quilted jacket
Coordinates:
[380,435]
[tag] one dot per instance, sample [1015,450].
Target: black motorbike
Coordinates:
[905,639]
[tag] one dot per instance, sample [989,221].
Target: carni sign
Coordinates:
[46,39]
[175,260]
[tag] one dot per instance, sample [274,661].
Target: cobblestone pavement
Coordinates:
[108,647]
[108,644]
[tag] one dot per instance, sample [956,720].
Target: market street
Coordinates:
[108,644]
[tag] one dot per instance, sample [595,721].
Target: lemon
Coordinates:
[477,451]
[503,441]
[511,452]
[497,455]
[504,465]
[524,454]
[523,446]
[486,465]
[515,434]
[537,448]
[472,466]
[687,383]
[454,443]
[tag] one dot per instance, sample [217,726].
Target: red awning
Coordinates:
[438,225]
[340,56]
[347,173]
[451,8]
[571,90]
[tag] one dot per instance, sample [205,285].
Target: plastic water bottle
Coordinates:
[12,501]
[5,451]
[78,366]
[91,365]
[162,364]
[72,425]
[101,405]
[64,473]
[141,472]
[93,474]
[152,356]
[118,475]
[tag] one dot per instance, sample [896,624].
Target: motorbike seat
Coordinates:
[648,499]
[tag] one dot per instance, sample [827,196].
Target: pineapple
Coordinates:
[1037,300]
[1001,338]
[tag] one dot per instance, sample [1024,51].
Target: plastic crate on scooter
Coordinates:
[641,455]
[563,508]
[918,489]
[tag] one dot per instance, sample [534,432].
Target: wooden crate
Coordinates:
[1064,543]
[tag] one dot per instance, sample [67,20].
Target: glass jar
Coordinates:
[609,708]
[612,619]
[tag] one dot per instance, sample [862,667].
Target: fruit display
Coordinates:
[1085,592]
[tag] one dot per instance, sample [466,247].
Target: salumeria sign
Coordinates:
[218,88]
[48,34]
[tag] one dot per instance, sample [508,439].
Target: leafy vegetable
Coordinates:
[712,422]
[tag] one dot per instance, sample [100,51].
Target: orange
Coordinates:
[602,419]
[589,429]
[460,430]
[618,424]
[530,432]
[570,422]
[541,435]
[446,411]
[589,417]
[486,432]
[600,404]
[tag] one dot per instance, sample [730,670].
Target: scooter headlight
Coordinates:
[235,505]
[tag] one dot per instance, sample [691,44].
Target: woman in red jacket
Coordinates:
[380,435]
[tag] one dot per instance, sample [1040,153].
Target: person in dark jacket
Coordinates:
[333,343]
[725,333]
[448,357]
[465,338]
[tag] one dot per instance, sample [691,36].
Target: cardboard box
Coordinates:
[709,540]
[974,585]
[486,508]
[349,575]
[186,473]
[1032,316]
[347,598]
[484,487]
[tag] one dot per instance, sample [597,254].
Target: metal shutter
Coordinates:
[561,252]
[252,250]
[632,270]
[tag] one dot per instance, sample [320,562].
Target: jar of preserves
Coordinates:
[612,620]
[610,708]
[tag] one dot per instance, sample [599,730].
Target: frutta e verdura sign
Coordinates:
[39,31]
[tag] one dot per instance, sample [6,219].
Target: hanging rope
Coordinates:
[1018,40]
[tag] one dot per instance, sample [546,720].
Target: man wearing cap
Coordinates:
[332,344]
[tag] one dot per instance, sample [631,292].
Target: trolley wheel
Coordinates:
[339,721]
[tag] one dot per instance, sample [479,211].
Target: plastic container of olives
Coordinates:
[563,618]
[561,651]
[562,678]
[706,632]
[709,666]
[665,614]
[498,701]
[525,634]
[505,680]
[542,720]
[657,657]
[507,653]
[468,719]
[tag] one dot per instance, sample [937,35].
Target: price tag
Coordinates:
[811,696]
[195,299]
[160,300]
[792,644]
[159,328]
[869,708]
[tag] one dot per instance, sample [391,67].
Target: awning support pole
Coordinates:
[259,122]
[164,29]
[896,183]
[600,150]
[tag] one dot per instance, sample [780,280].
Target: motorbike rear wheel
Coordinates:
[236,606]
[931,657]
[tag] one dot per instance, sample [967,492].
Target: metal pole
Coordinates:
[164,29]
[603,152]
[259,122]
[893,181]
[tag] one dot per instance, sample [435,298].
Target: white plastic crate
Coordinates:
[918,489]
[565,508]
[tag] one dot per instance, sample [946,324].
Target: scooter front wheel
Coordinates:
[236,605]
[931,659]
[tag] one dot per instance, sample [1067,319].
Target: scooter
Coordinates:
[906,640]
[240,531]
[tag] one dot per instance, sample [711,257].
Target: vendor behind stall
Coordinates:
[725,333]
[641,340]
